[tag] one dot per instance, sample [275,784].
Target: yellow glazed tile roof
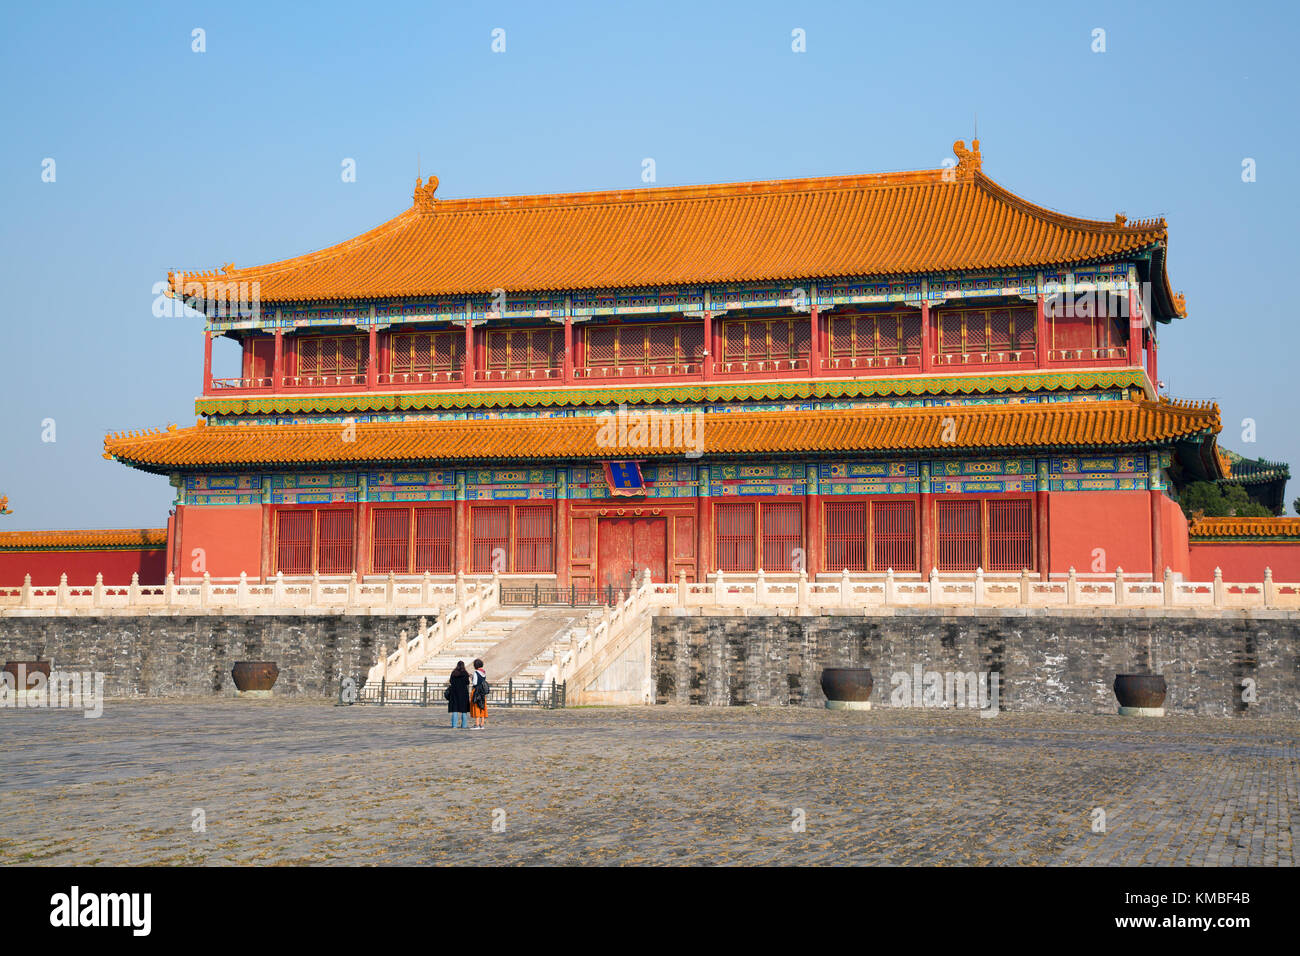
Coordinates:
[1245,528]
[1073,425]
[866,225]
[88,539]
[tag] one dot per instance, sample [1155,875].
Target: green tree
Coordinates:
[1218,500]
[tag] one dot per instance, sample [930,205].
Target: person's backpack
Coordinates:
[481,690]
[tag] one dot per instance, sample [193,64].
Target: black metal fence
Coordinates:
[548,695]
[573,596]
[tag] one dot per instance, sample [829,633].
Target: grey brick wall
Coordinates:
[1047,662]
[154,656]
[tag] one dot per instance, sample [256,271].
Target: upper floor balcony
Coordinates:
[908,342]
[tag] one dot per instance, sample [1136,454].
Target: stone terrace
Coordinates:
[300,782]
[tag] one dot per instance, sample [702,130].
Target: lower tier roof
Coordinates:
[944,430]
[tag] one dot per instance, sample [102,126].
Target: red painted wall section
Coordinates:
[1173,534]
[230,537]
[1246,560]
[1118,522]
[82,566]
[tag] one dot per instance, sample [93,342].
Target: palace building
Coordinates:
[908,371]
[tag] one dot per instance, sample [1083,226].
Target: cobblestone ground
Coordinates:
[296,782]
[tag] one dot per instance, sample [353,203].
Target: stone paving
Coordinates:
[284,782]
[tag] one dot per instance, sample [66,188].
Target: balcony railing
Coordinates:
[759,366]
[1085,355]
[1005,357]
[729,368]
[517,374]
[636,371]
[858,363]
[441,377]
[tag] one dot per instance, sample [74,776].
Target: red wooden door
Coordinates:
[625,547]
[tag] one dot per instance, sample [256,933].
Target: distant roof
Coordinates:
[900,223]
[1275,528]
[87,540]
[1112,424]
[1253,471]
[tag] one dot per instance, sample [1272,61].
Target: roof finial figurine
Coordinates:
[4,505]
[424,198]
[967,159]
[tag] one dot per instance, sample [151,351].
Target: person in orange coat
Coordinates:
[478,687]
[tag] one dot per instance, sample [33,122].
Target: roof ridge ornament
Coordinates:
[968,159]
[424,198]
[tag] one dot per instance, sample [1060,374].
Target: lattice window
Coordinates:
[600,345]
[846,531]
[433,540]
[690,340]
[334,541]
[986,331]
[526,349]
[489,535]
[1011,535]
[534,538]
[892,334]
[764,340]
[644,345]
[661,344]
[782,535]
[735,537]
[893,535]
[417,353]
[293,537]
[958,535]
[391,544]
[332,355]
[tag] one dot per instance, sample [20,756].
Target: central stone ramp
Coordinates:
[512,642]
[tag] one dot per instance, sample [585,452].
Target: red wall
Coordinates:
[230,537]
[1119,522]
[1245,560]
[82,566]
[1173,537]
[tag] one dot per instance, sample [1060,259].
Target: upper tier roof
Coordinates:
[793,229]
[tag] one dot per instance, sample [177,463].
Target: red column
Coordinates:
[1044,532]
[277,362]
[568,349]
[1040,334]
[705,565]
[267,563]
[562,542]
[708,345]
[813,539]
[1157,548]
[814,342]
[462,556]
[927,362]
[1151,359]
[469,353]
[372,359]
[927,557]
[207,362]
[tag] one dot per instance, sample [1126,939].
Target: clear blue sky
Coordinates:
[166,158]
